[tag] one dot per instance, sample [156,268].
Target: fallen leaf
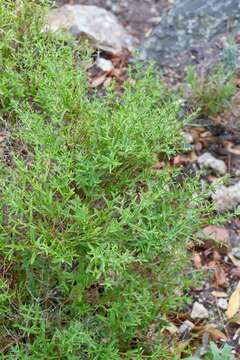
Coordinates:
[117,73]
[216,237]
[98,81]
[236,272]
[212,178]
[197,260]
[215,333]
[216,256]
[215,233]
[221,278]
[236,222]
[182,345]
[107,82]
[234,303]
[233,149]
[219,294]
[196,132]
[235,319]
[159,165]
[2,136]
[206,134]
[179,160]
[198,146]
[235,261]
[212,265]
[170,328]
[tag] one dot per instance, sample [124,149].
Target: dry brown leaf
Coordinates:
[184,159]
[107,82]
[212,265]
[159,165]
[221,278]
[235,319]
[182,345]
[235,261]
[236,272]
[215,333]
[219,294]
[212,178]
[216,256]
[170,328]
[206,134]
[179,160]
[234,303]
[233,149]
[197,260]
[98,81]
[117,73]
[193,156]
[2,136]
[215,233]
[198,146]
[215,237]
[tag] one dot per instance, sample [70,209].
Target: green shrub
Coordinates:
[211,94]
[92,240]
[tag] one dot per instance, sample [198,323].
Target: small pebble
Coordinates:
[104,64]
[207,160]
[199,311]
[222,304]
[187,138]
[226,198]
[186,327]
[156,20]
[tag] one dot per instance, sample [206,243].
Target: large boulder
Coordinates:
[100,26]
[192,31]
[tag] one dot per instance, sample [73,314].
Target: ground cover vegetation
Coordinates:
[92,237]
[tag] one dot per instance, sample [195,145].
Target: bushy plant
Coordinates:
[92,239]
[212,93]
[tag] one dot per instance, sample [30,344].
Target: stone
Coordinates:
[226,198]
[187,137]
[222,304]
[207,160]
[192,32]
[100,26]
[199,311]
[104,64]
[234,239]
[186,328]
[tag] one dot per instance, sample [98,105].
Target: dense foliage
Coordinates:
[92,238]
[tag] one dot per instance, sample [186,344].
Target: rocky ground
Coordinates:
[138,17]
[213,150]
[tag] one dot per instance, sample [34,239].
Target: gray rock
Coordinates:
[187,138]
[226,198]
[186,327]
[222,304]
[100,26]
[199,311]
[192,31]
[207,160]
